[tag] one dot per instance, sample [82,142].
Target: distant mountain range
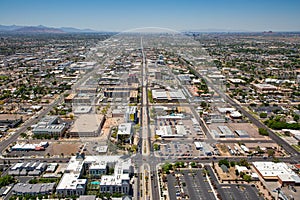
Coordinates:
[42,29]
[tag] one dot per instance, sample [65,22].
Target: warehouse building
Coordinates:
[168,95]
[225,132]
[242,133]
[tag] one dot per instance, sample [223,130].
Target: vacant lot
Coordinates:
[66,148]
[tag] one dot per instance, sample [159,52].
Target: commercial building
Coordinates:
[69,98]
[242,133]
[83,99]
[198,145]
[125,132]
[133,96]
[172,116]
[169,132]
[224,132]
[184,78]
[71,184]
[86,90]
[33,189]
[265,88]
[125,91]
[168,95]
[9,122]
[277,171]
[236,115]
[87,125]
[118,112]
[82,66]
[51,125]
[131,114]
[236,81]
[30,147]
[204,148]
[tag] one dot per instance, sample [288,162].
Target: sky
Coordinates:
[123,15]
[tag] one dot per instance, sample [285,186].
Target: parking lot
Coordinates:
[234,191]
[241,192]
[190,183]
[177,149]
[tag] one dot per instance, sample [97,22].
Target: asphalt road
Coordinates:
[146,135]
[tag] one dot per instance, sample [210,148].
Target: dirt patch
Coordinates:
[65,148]
[223,149]
[249,128]
[226,176]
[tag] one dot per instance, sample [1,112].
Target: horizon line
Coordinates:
[205,30]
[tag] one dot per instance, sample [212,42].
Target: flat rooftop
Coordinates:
[87,123]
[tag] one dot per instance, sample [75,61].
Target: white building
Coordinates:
[277,171]
[167,132]
[72,182]
[125,131]
[131,114]
[168,96]
[97,169]
[119,181]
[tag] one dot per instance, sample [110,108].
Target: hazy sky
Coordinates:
[121,15]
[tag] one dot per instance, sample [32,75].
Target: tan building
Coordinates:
[265,88]
[87,125]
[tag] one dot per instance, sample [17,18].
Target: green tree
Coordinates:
[263,131]
[167,167]
[193,164]
[271,152]
[296,117]
[224,162]
[232,163]
[6,180]
[156,147]
[244,162]
[134,148]
[247,178]
[263,115]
